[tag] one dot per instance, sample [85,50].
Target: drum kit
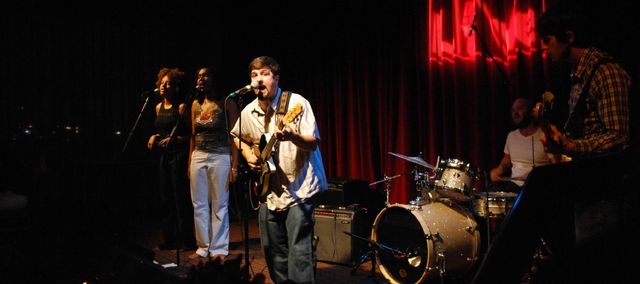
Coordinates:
[438,234]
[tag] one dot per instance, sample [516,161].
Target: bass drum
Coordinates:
[423,242]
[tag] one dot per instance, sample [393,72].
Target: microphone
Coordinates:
[472,23]
[244,90]
[150,92]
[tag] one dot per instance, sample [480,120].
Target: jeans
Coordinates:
[286,238]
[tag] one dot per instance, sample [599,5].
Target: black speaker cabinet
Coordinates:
[332,243]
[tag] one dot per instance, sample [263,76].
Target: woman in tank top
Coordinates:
[212,165]
[176,209]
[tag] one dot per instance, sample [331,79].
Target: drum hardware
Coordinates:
[441,261]
[370,254]
[433,236]
[487,220]
[541,255]
[387,186]
[423,181]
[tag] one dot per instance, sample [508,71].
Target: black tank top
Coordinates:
[166,120]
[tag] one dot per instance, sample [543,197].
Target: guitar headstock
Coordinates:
[294,112]
[540,112]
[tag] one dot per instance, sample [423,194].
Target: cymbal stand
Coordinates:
[387,189]
[422,186]
[487,215]
[387,186]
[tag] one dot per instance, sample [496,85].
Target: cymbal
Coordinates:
[416,160]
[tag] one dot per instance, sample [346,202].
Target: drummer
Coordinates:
[522,150]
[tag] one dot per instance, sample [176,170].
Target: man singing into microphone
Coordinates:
[285,218]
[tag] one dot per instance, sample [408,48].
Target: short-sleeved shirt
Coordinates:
[526,152]
[299,173]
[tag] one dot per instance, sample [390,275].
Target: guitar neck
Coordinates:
[289,117]
[269,146]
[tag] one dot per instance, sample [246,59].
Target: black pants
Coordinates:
[176,209]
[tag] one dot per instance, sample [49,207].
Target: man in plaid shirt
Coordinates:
[599,122]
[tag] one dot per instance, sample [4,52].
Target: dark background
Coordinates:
[73,74]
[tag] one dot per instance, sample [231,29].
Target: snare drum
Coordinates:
[455,179]
[496,203]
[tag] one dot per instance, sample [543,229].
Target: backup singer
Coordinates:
[172,166]
[212,166]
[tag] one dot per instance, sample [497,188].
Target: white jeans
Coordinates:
[210,197]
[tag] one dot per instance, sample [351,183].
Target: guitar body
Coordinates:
[268,168]
[553,136]
[260,185]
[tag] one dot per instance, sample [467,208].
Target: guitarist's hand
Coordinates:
[253,161]
[555,142]
[286,134]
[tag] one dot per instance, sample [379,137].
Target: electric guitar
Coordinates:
[542,110]
[541,113]
[263,152]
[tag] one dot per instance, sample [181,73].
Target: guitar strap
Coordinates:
[573,126]
[283,104]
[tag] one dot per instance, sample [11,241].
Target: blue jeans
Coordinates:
[286,238]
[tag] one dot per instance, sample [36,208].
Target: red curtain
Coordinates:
[427,88]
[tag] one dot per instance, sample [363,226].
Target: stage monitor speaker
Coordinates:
[333,244]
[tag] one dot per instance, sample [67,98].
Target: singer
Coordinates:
[176,209]
[286,216]
[211,166]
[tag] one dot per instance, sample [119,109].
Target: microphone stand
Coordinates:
[135,125]
[241,180]
[174,181]
[485,50]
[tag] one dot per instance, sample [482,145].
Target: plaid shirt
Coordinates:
[606,120]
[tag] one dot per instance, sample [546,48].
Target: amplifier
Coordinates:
[332,243]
